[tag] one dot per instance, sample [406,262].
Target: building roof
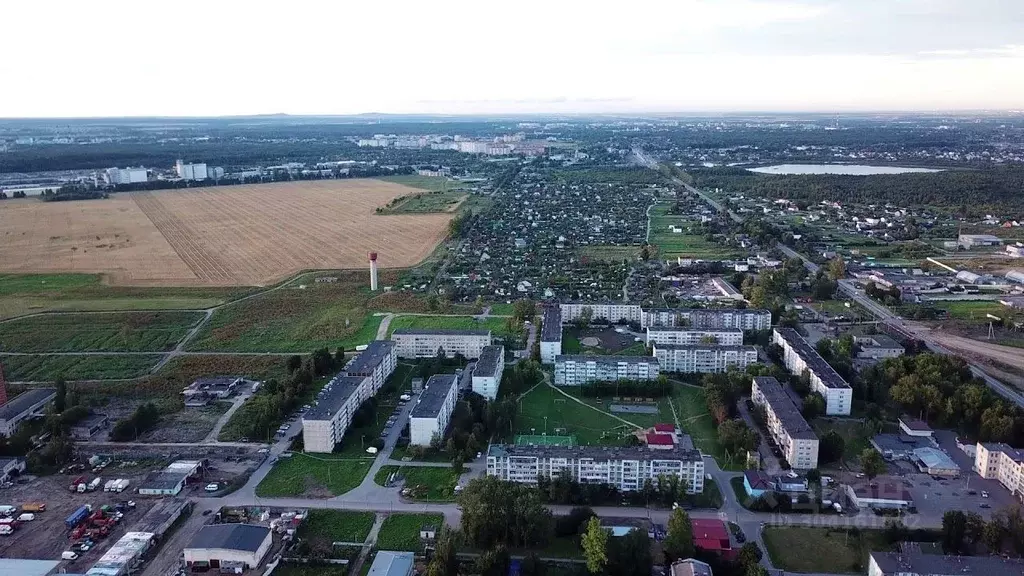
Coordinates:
[244,537]
[214,382]
[367,361]
[669,428]
[892,563]
[898,443]
[784,409]
[823,370]
[933,458]
[690,567]
[704,347]
[388,563]
[594,452]
[163,480]
[434,393]
[878,341]
[551,328]
[333,397]
[19,567]
[881,489]
[487,365]
[609,360]
[691,330]
[914,424]
[91,421]
[655,439]
[23,402]
[710,534]
[758,480]
[439,332]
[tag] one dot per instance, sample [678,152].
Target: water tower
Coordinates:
[373,271]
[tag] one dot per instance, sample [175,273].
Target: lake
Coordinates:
[849,169]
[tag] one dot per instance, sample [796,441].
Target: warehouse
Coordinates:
[430,416]
[228,546]
[10,467]
[88,426]
[935,462]
[163,484]
[22,407]
[124,555]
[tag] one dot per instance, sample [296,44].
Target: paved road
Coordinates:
[236,403]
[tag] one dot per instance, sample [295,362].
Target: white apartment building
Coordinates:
[1003,463]
[433,410]
[324,425]
[703,359]
[126,175]
[415,343]
[708,318]
[190,171]
[798,356]
[551,334]
[686,336]
[579,370]
[787,427]
[614,312]
[625,468]
[488,370]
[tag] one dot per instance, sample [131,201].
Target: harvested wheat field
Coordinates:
[220,236]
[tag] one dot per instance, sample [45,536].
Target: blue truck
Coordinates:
[77,516]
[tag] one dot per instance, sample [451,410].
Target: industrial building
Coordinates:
[190,171]
[612,312]
[969,241]
[88,426]
[171,480]
[115,176]
[433,411]
[488,370]
[1003,463]
[787,427]
[624,467]
[551,334]
[10,467]
[25,567]
[325,423]
[388,563]
[880,494]
[415,343]
[878,346]
[207,388]
[935,462]
[26,405]
[579,370]
[686,336]
[124,556]
[708,318]
[798,356]
[228,547]
[703,359]
[921,564]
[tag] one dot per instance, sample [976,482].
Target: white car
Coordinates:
[212,487]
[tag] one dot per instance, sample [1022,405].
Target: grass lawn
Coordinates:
[571,341]
[800,549]
[105,332]
[497,326]
[300,317]
[501,308]
[689,243]
[739,491]
[30,293]
[314,476]
[431,183]
[337,525]
[691,406]
[973,310]
[182,371]
[51,368]
[427,202]
[610,253]
[589,426]
[402,531]
[428,484]
[853,433]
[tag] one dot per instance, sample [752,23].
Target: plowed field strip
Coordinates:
[203,262]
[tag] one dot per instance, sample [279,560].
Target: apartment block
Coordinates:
[1003,463]
[415,343]
[433,411]
[703,359]
[551,334]
[687,336]
[377,362]
[488,371]
[625,467]
[579,370]
[787,427]
[614,312]
[708,318]
[798,356]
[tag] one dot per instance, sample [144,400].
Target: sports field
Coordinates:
[539,440]
[221,236]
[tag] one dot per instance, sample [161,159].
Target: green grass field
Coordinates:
[320,476]
[854,434]
[402,531]
[337,525]
[22,294]
[104,332]
[691,406]
[182,371]
[610,253]
[589,426]
[428,484]
[427,203]
[497,326]
[973,310]
[431,183]
[690,243]
[51,368]
[300,317]
[800,549]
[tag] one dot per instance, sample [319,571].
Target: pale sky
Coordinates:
[229,57]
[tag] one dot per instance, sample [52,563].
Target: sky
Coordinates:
[238,57]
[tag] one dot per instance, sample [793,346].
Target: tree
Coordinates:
[532,566]
[837,268]
[630,555]
[586,315]
[499,512]
[524,309]
[831,447]
[814,406]
[60,401]
[679,540]
[735,436]
[814,476]
[595,546]
[954,532]
[493,562]
[872,463]
[749,555]
[445,561]
[572,523]
[294,362]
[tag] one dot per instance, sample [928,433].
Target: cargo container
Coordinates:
[33,507]
[109,486]
[77,516]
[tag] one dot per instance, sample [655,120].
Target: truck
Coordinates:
[121,485]
[6,530]
[74,483]
[94,484]
[108,485]
[7,510]
[33,507]
[77,516]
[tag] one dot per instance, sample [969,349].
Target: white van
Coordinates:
[26,517]
[68,555]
